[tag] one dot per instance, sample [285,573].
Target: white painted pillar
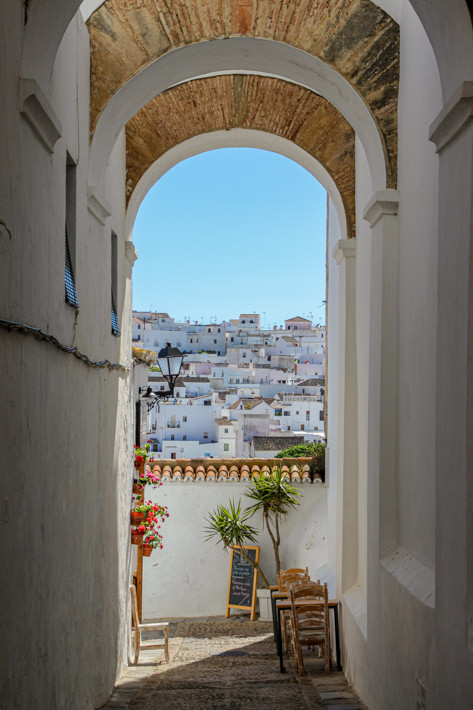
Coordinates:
[347,430]
[452,133]
[381,213]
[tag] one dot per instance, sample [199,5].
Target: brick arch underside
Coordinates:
[253,102]
[355,37]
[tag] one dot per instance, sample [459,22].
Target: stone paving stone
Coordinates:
[228,664]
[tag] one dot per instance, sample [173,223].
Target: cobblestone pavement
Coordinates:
[218,663]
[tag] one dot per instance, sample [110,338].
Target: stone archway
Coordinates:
[368,59]
[247,103]
[233,138]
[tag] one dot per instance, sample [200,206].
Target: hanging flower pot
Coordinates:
[136,517]
[136,538]
[137,535]
[147,550]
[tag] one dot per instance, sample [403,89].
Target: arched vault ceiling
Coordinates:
[238,101]
[356,37]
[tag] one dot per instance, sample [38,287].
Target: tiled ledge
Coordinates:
[298,470]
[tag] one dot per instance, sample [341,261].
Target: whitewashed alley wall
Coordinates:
[189,577]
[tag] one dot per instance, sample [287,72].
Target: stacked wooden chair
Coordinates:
[285,579]
[309,625]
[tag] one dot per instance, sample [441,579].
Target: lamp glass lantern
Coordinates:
[170,362]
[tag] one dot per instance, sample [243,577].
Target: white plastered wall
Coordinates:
[388,619]
[66,462]
[189,576]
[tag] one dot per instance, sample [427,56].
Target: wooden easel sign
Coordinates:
[243,581]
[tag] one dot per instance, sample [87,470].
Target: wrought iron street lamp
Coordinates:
[170,363]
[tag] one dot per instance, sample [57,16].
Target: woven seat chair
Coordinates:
[285,578]
[309,625]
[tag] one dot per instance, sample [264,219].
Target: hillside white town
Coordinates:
[243,391]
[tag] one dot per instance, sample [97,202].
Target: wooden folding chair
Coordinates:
[309,624]
[136,642]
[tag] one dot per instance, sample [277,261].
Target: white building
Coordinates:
[297,323]
[300,413]
[209,338]
[249,321]
[190,420]
[242,354]
[227,437]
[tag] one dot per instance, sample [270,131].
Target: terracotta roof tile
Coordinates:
[297,470]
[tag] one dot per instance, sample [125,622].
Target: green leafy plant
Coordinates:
[315,450]
[142,453]
[274,496]
[230,526]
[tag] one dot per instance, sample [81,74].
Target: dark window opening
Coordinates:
[114,284]
[70,234]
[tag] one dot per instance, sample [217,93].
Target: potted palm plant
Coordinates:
[274,496]
[229,525]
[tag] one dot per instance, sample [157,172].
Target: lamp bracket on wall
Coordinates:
[154,397]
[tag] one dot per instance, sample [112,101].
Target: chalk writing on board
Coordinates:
[242,579]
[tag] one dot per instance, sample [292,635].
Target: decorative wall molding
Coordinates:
[454,117]
[130,252]
[411,574]
[344,249]
[383,202]
[37,110]
[97,205]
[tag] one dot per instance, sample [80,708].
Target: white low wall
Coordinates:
[189,577]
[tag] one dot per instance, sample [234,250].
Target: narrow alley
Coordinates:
[228,663]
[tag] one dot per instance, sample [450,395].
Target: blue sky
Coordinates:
[230,231]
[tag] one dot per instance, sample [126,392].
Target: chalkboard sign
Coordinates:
[242,581]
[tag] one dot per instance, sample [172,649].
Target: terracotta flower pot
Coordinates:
[147,550]
[136,537]
[136,518]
